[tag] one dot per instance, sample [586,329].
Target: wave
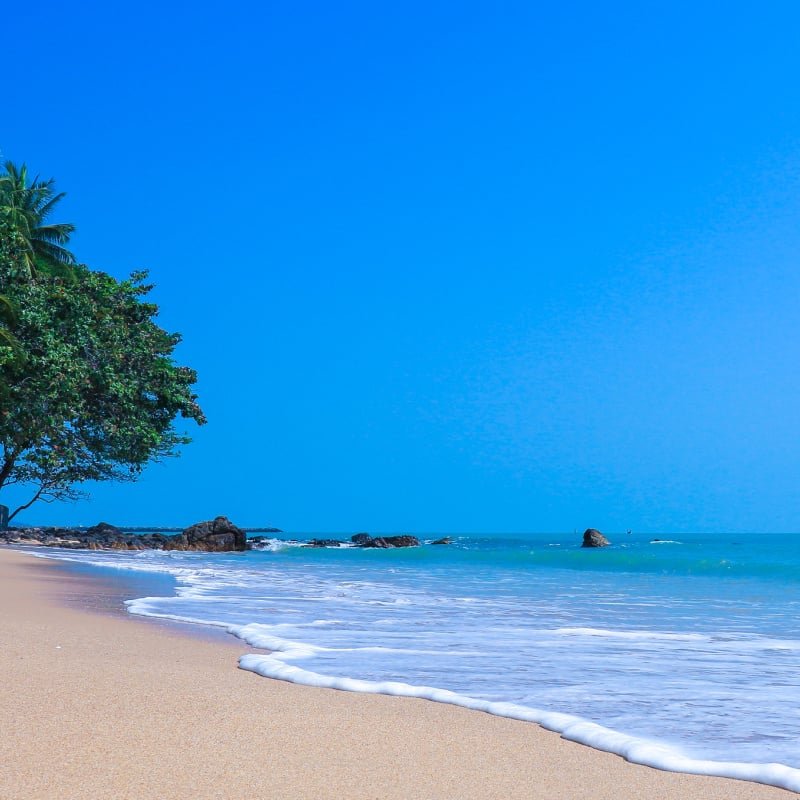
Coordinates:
[631,748]
[640,635]
[275,545]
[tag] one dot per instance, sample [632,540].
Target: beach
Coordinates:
[96,704]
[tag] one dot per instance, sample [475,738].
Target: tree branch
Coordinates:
[28,504]
[8,466]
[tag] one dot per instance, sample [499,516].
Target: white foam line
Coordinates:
[644,635]
[575,729]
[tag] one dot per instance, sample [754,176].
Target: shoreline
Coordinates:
[99,703]
[91,589]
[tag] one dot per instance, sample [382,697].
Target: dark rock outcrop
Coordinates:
[392,541]
[99,537]
[213,536]
[443,540]
[104,529]
[593,538]
[218,535]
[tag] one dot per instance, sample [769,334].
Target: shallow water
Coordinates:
[675,652]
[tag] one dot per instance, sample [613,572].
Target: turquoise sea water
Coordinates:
[683,653]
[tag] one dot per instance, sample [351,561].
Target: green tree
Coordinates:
[94,392]
[26,207]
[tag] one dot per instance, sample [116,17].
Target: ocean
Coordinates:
[677,651]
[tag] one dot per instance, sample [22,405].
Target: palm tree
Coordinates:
[26,207]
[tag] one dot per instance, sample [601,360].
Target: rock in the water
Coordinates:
[392,541]
[443,540]
[219,535]
[324,543]
[360,538]
[593,538]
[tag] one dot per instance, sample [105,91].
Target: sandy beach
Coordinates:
[94,704]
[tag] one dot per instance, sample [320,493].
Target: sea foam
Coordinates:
[631,748]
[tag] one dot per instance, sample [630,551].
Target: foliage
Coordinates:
[89,391]
[11,249]
[6,319]
[25,207]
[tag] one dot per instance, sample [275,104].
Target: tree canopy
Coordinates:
[89,390]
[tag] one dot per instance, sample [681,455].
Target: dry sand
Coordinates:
[97,705]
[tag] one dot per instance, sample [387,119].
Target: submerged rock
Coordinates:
[443,540]
[593,538]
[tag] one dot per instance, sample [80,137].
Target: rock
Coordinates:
[324,543]
[219,535]
[153,541]
[361,539]
[118,544]
[104,529]
[593,538]
[392,541]
[443,540]
[377,542]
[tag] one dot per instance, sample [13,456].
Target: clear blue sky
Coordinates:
[443,266]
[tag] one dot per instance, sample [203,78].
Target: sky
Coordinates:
[442,266]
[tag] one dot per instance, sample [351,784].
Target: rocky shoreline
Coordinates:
[219,535]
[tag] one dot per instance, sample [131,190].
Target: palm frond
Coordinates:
[55,234]
[6,309]
[26,205]
[49,203]
[52,253]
